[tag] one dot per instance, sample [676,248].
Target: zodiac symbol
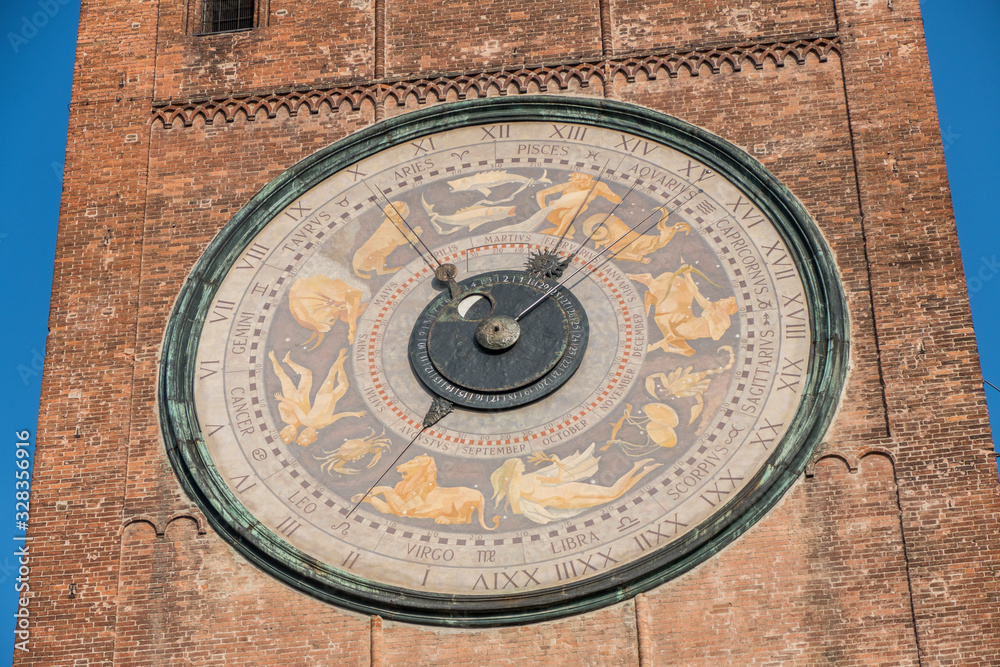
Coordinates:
[633,247]
[734,432]
[352,450]
[317,304]
[658,426]
[485,181]
[575,197]
[625,523]
[468,218]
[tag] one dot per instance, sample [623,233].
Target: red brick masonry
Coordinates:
[884,552]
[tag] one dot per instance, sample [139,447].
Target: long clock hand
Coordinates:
[597,228]
[563,282]
[413,234]
[583,204]
[446,273]
[439,408]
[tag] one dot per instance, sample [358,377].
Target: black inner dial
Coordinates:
[468,349]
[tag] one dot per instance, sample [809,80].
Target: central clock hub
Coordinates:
[472,350]
[498,332]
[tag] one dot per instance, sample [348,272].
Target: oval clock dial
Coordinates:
[496,361]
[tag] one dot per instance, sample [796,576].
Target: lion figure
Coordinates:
[418,495]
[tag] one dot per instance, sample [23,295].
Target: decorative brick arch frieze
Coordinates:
[850,457]
[502,81]
[141,518]
[159,526]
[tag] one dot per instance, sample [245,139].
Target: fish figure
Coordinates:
[485,181]
[468,218]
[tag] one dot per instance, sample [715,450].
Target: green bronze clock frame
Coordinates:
[827,370]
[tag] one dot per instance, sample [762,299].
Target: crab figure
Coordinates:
[353,450]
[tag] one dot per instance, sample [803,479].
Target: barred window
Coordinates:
[228,15]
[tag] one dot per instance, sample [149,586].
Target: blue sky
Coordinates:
[37,47]
[36,63]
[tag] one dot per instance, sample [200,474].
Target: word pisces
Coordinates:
[469,217]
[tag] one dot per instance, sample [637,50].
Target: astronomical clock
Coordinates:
[503,360]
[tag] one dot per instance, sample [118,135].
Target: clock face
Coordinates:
[503,360]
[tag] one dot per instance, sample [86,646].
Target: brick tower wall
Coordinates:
[884,552]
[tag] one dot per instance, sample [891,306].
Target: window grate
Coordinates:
[226,15]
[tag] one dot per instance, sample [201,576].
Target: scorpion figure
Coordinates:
[682,383]
[352,450]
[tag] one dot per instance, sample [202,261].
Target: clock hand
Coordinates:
[597,227]
[599,255]
[435,413]
[582,204]
[446,273]
[551,290]
[413,233]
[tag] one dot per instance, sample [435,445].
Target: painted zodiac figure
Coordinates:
[672,296]
[484,182]
[373,255]
[633,246]
[353,450]
[294,406]
[658,427]
[418,495]
[467,218]
[682,383]
[575,196]
[555,492]
[317,304]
